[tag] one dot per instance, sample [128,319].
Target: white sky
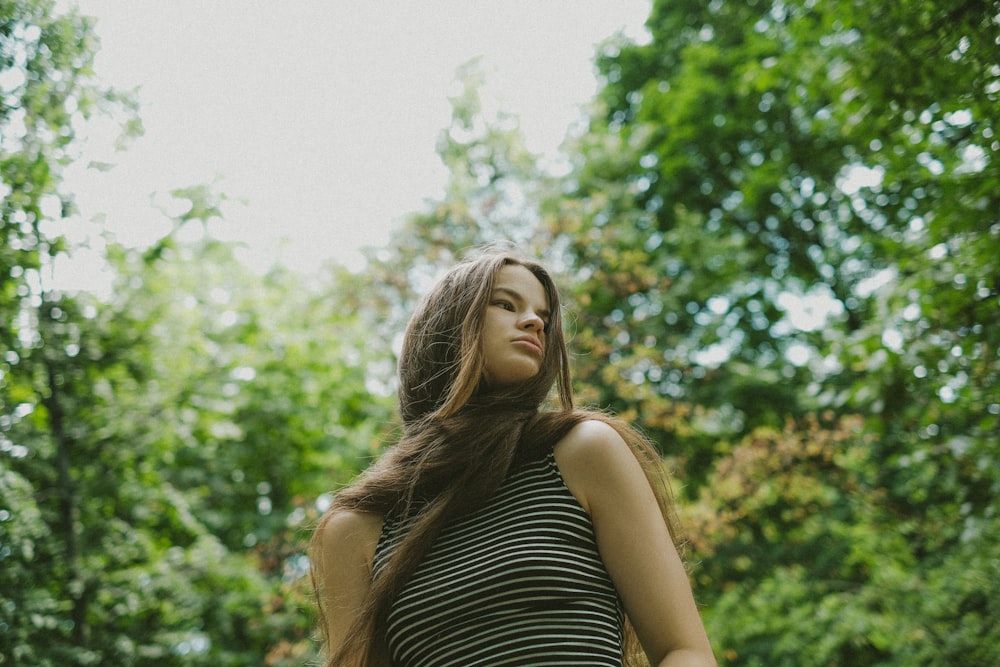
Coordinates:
[319,119]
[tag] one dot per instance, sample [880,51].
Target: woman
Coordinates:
[494,532]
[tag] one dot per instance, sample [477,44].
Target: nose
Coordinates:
[532,322]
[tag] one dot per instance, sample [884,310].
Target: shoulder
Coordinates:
[592,457]
[592,440]
[349,536]
[349,523]
[343,551]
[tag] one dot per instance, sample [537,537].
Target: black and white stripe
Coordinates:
[519,582]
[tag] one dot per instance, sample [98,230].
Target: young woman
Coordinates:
[496,532]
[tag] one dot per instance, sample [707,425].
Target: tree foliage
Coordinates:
[205,409]
[161,450]
[46,88]
[785,210]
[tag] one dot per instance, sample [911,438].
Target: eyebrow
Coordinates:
[545,313]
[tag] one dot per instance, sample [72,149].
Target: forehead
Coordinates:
[521,281]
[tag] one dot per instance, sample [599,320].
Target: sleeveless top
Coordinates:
[518,582]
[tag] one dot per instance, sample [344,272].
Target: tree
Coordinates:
[223,405]
[255,403]
[46,85]
[755,161]
[113,549]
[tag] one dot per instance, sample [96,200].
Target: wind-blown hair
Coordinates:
[461,436]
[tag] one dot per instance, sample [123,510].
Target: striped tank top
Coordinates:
[519,582]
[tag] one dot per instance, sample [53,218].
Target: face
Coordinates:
[514,327]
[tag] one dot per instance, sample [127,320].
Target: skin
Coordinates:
[600,471]
[514,327]
[348,549]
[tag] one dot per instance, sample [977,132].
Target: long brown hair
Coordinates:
[460,439]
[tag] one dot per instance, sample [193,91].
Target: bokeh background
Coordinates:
[775,223]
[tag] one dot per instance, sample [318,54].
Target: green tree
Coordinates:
[753,161]
[46,88]
[160,452]
[220,405]
[260,405]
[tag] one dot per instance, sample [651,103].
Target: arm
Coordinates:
[346,546]
[604,475]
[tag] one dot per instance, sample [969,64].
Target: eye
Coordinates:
[506,305]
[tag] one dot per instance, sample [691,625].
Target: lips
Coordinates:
[530,342]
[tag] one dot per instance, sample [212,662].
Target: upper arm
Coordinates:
[635,544]
[345,546]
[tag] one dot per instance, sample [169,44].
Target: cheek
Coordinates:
[488,333]
[492,320]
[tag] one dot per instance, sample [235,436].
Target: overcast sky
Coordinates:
[319,119]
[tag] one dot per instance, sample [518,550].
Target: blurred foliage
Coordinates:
[162,450]
[784,210]
[778,245]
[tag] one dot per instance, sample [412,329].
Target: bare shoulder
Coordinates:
[351,522]
[591,442]
[592,455]
[346,542]
[350,536]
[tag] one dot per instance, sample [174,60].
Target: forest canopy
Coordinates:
[778,243]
